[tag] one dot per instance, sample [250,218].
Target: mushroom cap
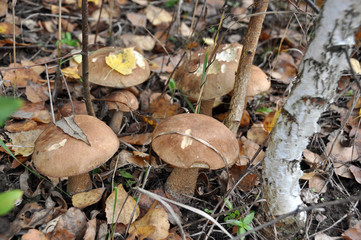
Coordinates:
[57,154]
[122,100]
[186,152]
[258,82]
[100,73]
[220,75]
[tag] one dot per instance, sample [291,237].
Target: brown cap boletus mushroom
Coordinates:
[101,74]
[190,142]
[258,82]
[220,74]
[119,102]
[57,154]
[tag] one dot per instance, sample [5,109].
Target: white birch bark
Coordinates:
[314,90]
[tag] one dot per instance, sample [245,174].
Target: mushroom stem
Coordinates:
[116,121]
[181,183]
[79,183]
[206,107]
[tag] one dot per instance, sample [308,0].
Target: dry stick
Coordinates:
[14,42]
[98,21]
[110,33]
[57,83]
[244,67]
[84,53]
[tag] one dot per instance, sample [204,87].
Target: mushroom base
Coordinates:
[79,183]
[181,183]
[207,107]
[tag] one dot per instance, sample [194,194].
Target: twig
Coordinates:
[84,53]
[244,67]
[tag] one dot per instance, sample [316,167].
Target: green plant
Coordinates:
[231,215]
[128,177]
[8,199]
[66,38]
[171,3]
[264,110]
[242,224]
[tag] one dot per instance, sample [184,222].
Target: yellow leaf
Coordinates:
[271,119]
[123,62]
[71,72]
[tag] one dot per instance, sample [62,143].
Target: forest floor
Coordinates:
[162,31]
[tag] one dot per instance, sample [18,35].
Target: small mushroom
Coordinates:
[101,74]
[220,75]
[258,82]
[190,142]
[119,102]
[57,154]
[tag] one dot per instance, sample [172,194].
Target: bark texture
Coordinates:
[313,91]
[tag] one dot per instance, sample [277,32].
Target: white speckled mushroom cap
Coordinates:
[57,154]
[173,145]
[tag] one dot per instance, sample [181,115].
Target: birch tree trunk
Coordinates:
[313,92]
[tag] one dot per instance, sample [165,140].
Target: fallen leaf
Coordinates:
[317,184]
[156,217]
[285,68]
[257,133]
[353,233]
[248,182]
[157,15]
[356,172]
[36,93]
[138,139]
[85,199]
[72,225]
[123,209]
[145,43]
[20,76]
[6,28]
[355,65]
[312,159]
[22,143]
[141,233]
[270,120]
[34,234]
[71,72]
[123,62]
[91,230]
[248,149]
[136,19]
[68,125]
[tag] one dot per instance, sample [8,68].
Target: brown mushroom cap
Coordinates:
[258,82]
[57,154]
[100,73]
[122,100]
[220,75]
[186,152]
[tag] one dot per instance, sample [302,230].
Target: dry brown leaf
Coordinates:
[124,206]
[342,156]
[85,199]
[71,224]
[312,159]
[248,149]
[141,233]
[6,28]
[19,77]
[3,8]
[248,181]
[34,234]
[157,15]
[355,65]
[317,184]
[307,175]
[91,230]
[353,233]
[141,2]
[257,133]
[356,172]
[23,142]
[136,19]
[156,217]
[138,139]
[39,69]
[161,106]
[285,68]
[36,93]
[23,126]
[145,43]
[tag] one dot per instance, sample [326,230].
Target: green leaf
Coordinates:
[125,174]
[248,219]
[8,105]
[228,204]
[8,200]
[264,110]
[172,85]
[171,3]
